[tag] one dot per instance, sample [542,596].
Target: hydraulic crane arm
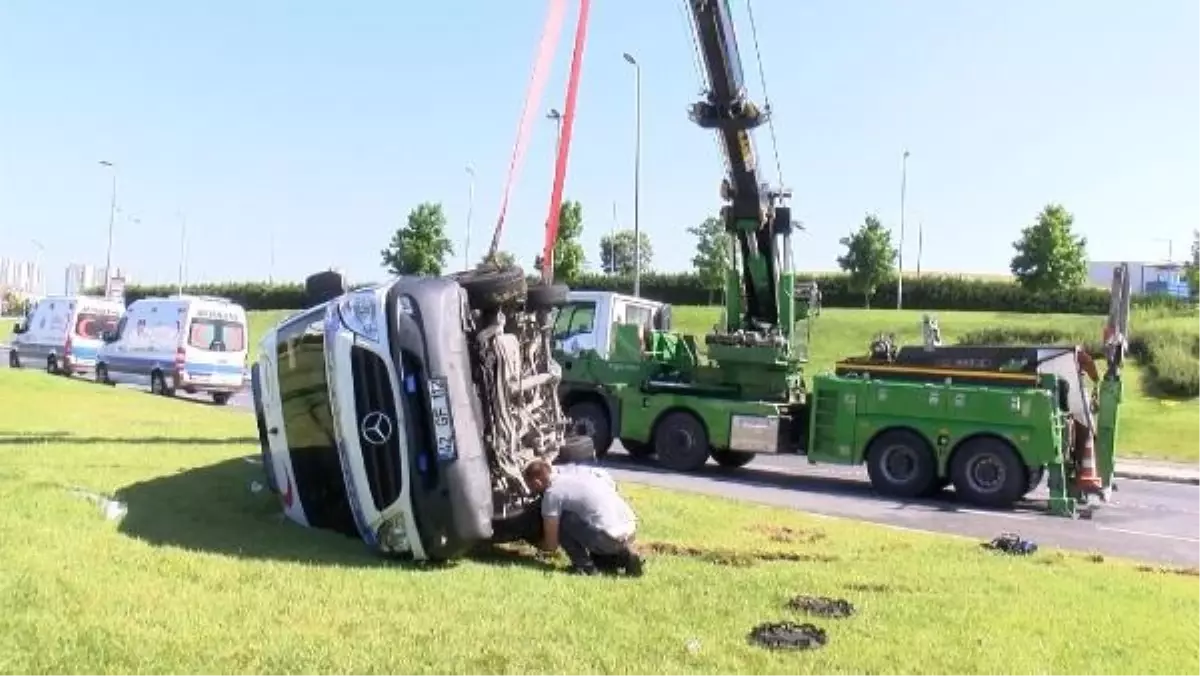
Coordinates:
[755,215]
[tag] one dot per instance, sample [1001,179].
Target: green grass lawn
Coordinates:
[201,575]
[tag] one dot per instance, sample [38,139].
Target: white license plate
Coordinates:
[443,424]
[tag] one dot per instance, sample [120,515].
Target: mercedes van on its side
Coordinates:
[405,413]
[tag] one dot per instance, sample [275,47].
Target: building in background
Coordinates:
[85,277]
[23,278]
[1145,278]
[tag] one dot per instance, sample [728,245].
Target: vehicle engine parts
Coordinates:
[788,636]
[821,606]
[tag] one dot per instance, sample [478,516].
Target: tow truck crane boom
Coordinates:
[760,283]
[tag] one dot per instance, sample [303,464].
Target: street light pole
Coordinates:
[557,117]
[637,171]
[470,211]
[903,188]
[112,217]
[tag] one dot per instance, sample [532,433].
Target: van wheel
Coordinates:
[158,385]
[52,365]
[681,442]
[491,288]
[901,464]
[220,398]
[14,360]
[590,420]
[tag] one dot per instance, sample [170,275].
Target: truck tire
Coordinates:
[638,450]
[591,420]
[492,288]
[1036,474]
[987,472]
[681,442]
[577,448]
[546,297]
[732,459]
[901,464]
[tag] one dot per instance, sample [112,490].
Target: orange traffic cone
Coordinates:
[1087,479]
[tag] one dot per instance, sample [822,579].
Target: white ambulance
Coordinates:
[63,333]
[189,343]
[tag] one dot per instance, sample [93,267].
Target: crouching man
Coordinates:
[584,514]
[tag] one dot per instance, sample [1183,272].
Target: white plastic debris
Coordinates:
[112,510]
[256,487]
[693,646]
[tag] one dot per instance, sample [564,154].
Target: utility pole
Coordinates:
[182,250]
[637,171]
[612,238]
[920,245]
[903,188]
[112,217]
[470,211]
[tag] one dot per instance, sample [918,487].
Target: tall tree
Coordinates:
[1050,257]
[1191,269]
[568,252]
[502,259]
[419,247]
[869,258]
[712,252]
[617,251]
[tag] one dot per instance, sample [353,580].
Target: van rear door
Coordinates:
[215,346]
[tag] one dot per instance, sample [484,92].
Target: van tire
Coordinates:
[491,288]
[52,365]
[102,375]
[14,360]
[221,398]
[588,418]
[546,296]
[158,385]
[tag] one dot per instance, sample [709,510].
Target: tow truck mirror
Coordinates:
[662,318]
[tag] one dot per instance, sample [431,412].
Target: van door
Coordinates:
[215,349]
[89,324]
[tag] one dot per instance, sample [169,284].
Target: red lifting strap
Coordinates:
[533,97]
[560,168]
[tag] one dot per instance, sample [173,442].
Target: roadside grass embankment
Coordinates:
[201,574]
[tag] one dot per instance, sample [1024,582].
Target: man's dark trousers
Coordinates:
[581,541]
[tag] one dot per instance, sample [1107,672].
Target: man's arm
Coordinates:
[551,511]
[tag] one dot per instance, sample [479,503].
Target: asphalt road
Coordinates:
[1150,521]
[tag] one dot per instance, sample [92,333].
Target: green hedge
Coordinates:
[925,293]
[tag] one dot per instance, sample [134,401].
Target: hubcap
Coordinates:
[899,464]
[986,474]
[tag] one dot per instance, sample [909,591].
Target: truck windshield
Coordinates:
[574,319]
[95,324]
[219,335]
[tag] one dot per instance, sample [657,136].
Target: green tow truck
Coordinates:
[991,421]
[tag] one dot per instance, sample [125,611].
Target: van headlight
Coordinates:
[359,312]
[393,536]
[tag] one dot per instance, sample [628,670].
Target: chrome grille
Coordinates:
[373,394]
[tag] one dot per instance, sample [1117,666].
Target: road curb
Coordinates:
[1159,478]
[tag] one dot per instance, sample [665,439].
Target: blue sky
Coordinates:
[325,122]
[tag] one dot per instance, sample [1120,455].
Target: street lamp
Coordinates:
[112,217]
[470,210]
[903,188]
[637,170]
[557,118]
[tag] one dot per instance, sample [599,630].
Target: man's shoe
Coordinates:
[632,563]
[608,563]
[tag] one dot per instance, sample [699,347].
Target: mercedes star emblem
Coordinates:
[376,428]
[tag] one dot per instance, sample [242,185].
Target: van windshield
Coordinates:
[218,335]
[95,324]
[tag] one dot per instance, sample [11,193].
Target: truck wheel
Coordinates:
[1036,474]
[733,459]
[14,360]
[493,288]
[900,464]
[638,450]
[987,472]
[681,442]
[591,420]
[577,448]
[546,297]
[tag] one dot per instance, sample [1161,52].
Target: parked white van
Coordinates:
[188,343]
[63,333]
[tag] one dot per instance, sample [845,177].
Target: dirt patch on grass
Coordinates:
[788,534]
[788,636]
[821,606]
[1191,571]
[733,557]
